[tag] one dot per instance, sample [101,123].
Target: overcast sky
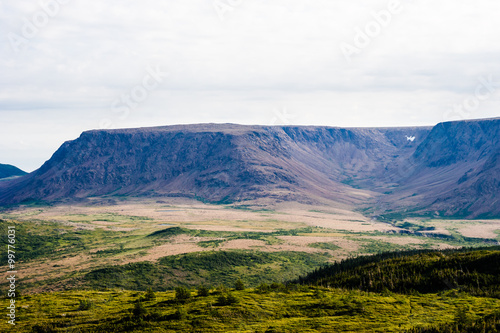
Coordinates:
[67,66]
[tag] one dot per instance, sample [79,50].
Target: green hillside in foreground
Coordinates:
[271,308]
[476,272]
[447,291]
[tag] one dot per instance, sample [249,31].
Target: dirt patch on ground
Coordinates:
[437,230]
[485,229]
[180,244]
[37,271]
[397,240]
[244,244]
[443,246]
[222,228]
[198,215]
[304,241]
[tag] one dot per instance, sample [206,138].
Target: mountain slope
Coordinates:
[214,162]
[7,170]
[451,169]
[455,171]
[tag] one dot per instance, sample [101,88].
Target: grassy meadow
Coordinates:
[272,309]
[86,268]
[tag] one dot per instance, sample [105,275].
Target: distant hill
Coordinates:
[450,169]
[217,163]
[7,171]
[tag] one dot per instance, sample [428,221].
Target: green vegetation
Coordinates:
[182,294]
[203,290]
[250,291]
[325,246]
[133,276]
[211,268]
[105,252]
[375,246]
[414,227]
[139,311]
[42,239]
[173,231]
[227,298]
[464,323]
[416,291]
[268,237]
[46,240]
[211,243]
[85,304]
[150,295]
[239,285]
[107,217]
[287,308]
[476,272]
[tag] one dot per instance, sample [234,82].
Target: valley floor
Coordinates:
[105,254]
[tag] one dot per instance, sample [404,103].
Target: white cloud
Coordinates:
[264,56]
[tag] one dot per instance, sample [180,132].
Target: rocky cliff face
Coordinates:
[451,168]
[453,172]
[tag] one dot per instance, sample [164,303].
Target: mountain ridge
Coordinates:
[418,170]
